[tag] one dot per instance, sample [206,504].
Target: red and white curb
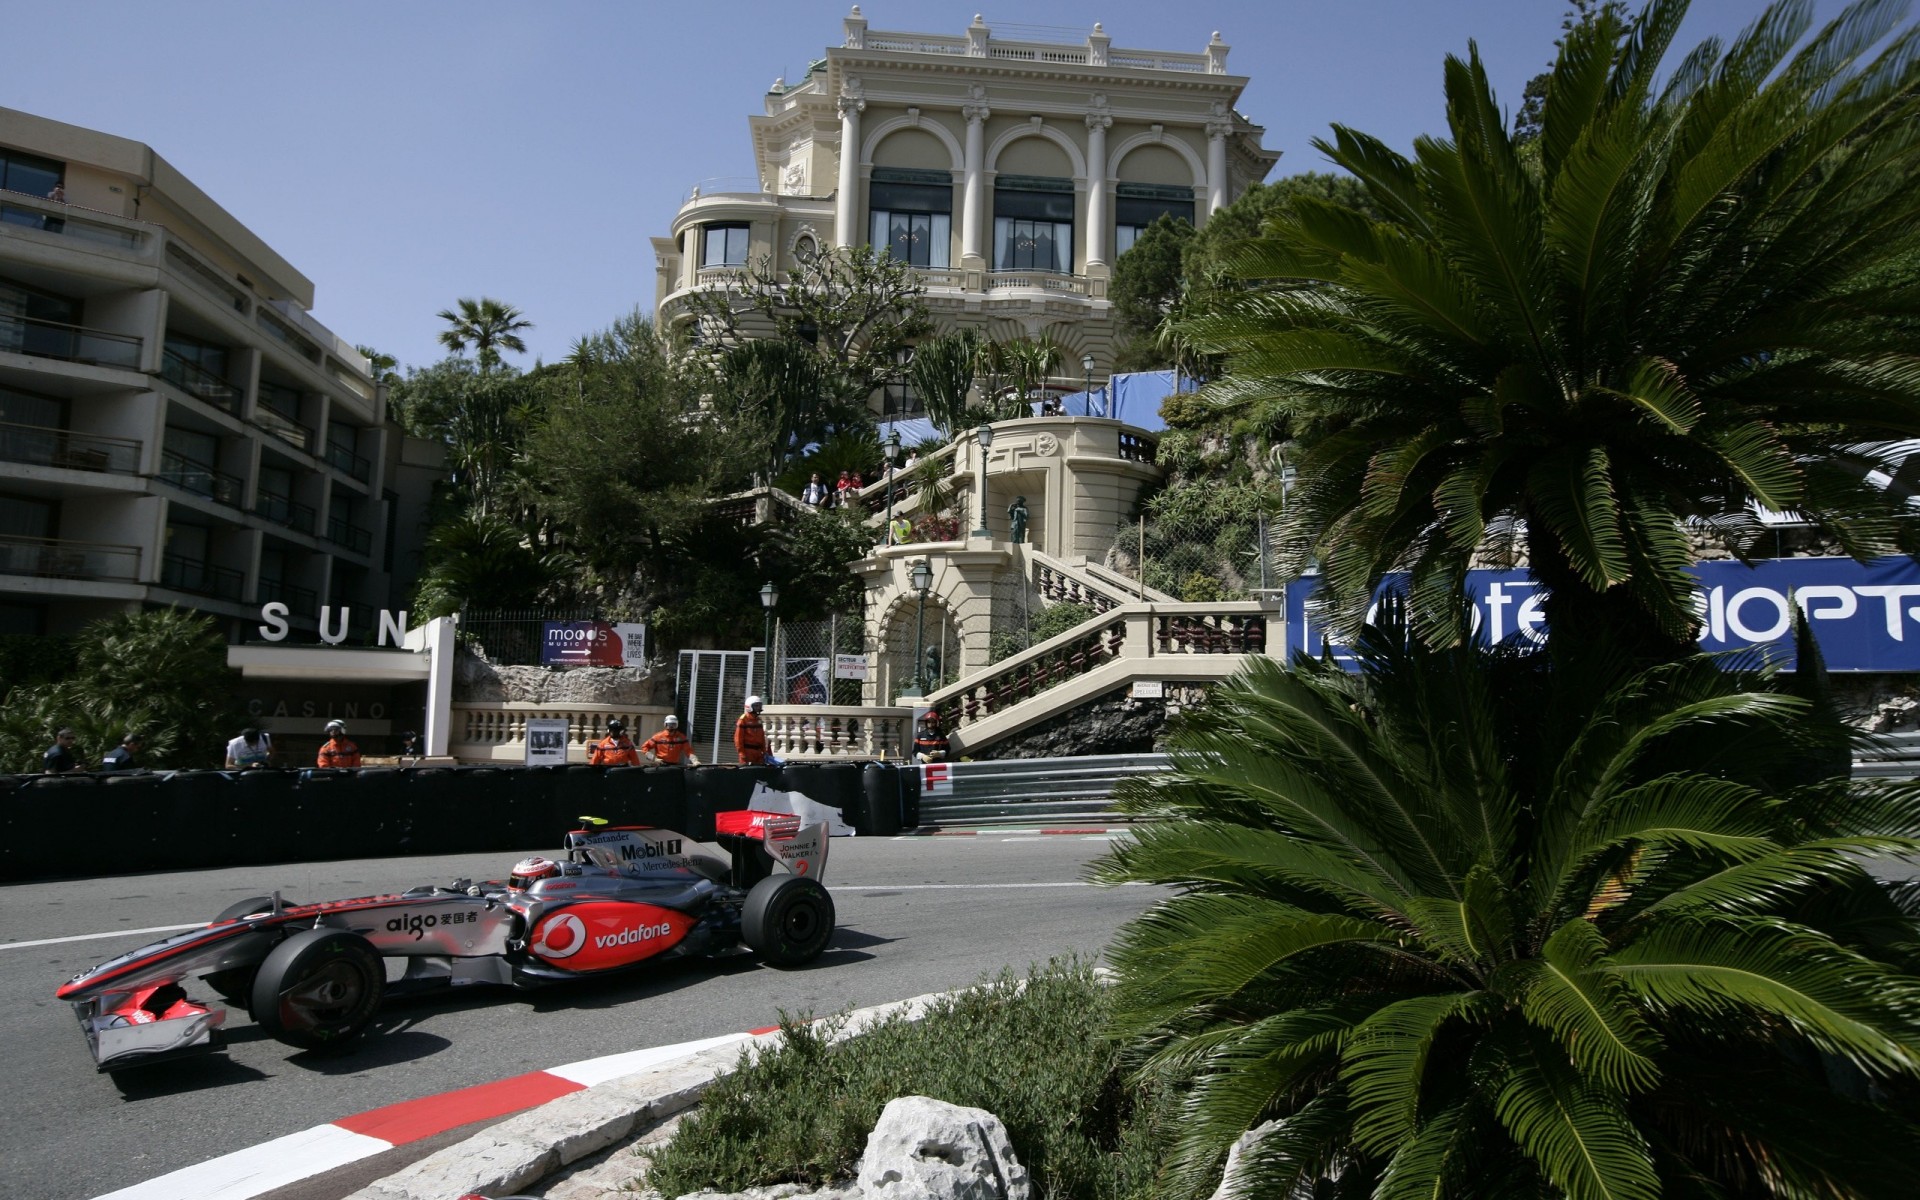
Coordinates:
[297,1156]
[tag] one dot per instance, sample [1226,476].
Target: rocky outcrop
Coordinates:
[477,681]
[1113,724]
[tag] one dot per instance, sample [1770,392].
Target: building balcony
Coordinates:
[201,578]
[344,460]
[69,343]
[48,558]
[297,599]
[284,427]
[283,510]
[200,479]
[35,446]
[199,382]
[344,533]
[50,217]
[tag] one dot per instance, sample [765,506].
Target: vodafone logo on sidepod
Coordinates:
[560,936]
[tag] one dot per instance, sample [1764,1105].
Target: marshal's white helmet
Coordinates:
[673,722]
[754,703]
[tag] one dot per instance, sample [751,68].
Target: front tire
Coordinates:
[319,989]
[787,920]
[235,985]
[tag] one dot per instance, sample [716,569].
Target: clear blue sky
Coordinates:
[404,153]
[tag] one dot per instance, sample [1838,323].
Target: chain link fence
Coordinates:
[511,637]
[807,652]
[1202,541]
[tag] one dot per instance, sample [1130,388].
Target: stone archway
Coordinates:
[939,646]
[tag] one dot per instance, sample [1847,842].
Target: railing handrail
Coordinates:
[21,319]
[11,539]
[58,558]
[357,465]
[197,381]
[68,441]
[173,463]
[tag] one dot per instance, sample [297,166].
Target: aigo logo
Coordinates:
[597,935]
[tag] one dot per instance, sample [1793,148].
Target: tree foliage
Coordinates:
[162,673]
[487,325]
[1672,311]
[1148,280]
[1461,924]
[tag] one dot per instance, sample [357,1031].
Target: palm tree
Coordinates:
[488,326]
[1673,306]
[942,371]
[1463,925]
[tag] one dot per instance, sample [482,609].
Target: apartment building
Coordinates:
[175,427]
[1010,171]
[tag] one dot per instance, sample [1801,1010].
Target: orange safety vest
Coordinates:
[613,750]
[338,752]
[750,740]
[670,746]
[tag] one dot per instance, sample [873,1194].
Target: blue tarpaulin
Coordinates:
[1135,399]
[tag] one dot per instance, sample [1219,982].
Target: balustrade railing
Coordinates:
[71,343]
[199,478]
[1218,633]
[1026,675]
[1057,586]
[1045,281]
[498,732]
[38,446]
[49,558]
[812,732]
[1136,448]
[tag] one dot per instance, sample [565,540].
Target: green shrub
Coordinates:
[1033,1052]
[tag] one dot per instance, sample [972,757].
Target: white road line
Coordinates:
[262,1168]
[88,937]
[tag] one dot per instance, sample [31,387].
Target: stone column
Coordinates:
[1099,207]
[846,213]
[974,197]
[1217,131]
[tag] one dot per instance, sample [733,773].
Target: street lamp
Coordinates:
[769,596]
[922,577]
[891,448]
[985,434]
[1086,368]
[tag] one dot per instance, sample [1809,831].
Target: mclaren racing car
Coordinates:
[313,975]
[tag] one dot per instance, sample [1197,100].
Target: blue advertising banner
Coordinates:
[1865,616]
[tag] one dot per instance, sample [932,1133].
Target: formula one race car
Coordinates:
[312,975]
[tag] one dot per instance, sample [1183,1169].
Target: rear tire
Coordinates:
[235,985]
[319,989]
[787,920]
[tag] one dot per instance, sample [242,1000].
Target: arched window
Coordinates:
[912,215]
[1033,223]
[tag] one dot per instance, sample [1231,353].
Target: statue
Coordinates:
[1017,519]
[930,663]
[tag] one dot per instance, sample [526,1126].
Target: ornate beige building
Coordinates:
[1010,172]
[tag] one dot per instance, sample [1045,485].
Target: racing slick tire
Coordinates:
[235,985]
[787,920]
[319,989]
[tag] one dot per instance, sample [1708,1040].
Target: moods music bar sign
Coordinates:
[593,644]
[1865,616]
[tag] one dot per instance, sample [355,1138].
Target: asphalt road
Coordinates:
[915,915]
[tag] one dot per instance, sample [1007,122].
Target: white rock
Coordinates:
[926,1149]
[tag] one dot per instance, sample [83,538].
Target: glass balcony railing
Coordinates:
[201,578]
[284,510]
[196,380]
[285,428]
[342,458]
[199,478]
[297,599]
[72,343]
[78,228]
[47,558]
[344,533]
[36,446]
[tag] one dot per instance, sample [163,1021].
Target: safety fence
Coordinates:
[186,820]
[1024,791]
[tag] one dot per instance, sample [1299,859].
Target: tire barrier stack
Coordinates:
[97,824]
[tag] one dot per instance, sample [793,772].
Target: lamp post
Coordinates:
[1086,379]
[985,435]
[769,596]
[922,578]
[891,447]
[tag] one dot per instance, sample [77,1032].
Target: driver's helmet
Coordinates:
[529,871]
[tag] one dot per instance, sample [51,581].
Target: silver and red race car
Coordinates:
[313,975]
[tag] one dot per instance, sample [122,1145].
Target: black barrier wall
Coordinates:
[55,825]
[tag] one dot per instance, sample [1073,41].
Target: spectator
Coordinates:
[124,756]
[843,490]
[58,195]
[750,736]
[338,753]
[615,749]
[253,748]
[815,493]
[670,747]
[913,459]
[58,760]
